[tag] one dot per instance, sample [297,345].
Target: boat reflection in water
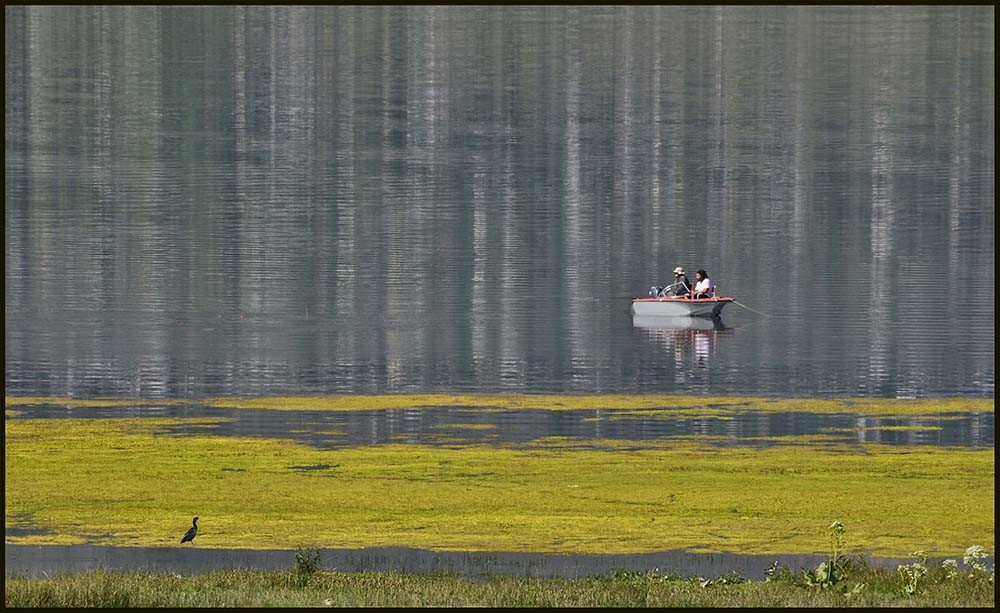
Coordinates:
[692,338]
[659,322]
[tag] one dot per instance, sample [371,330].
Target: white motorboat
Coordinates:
[680,306]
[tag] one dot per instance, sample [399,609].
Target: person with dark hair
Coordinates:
[704,288]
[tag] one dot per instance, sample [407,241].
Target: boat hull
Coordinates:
[679,307]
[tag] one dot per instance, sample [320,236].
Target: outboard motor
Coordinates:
[654,291]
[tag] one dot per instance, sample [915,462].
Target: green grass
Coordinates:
[882,587]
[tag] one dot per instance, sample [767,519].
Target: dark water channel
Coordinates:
[463,426]
[37,561]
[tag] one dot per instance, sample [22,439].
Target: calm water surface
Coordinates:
[39,561]
[451,426]
[255,200]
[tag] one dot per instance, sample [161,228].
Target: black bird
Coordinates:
[192,532]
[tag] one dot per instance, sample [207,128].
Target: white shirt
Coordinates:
[705,286]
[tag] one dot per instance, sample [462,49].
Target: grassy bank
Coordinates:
[861,587]
[135,482]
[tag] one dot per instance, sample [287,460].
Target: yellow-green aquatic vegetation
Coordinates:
[127,482]
[876,406]
[887,429]
[318,432]
[466,426]
[556,402]
[82,402]
[552,402]
[644,405]
[572,442]
[794,439]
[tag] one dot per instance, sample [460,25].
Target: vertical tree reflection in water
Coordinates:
[263,200]
[881,245]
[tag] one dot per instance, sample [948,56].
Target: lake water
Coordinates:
[257,200]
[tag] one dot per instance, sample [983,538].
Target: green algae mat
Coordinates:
[555,402]
[134,482]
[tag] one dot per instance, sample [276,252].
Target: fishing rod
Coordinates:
[749,309]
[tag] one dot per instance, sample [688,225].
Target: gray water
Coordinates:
[257,200]
[452,426]
[40,561]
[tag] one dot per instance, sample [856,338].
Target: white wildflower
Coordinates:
[974,556]
[951,568]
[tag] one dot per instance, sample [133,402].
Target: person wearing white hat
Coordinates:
[681,286]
